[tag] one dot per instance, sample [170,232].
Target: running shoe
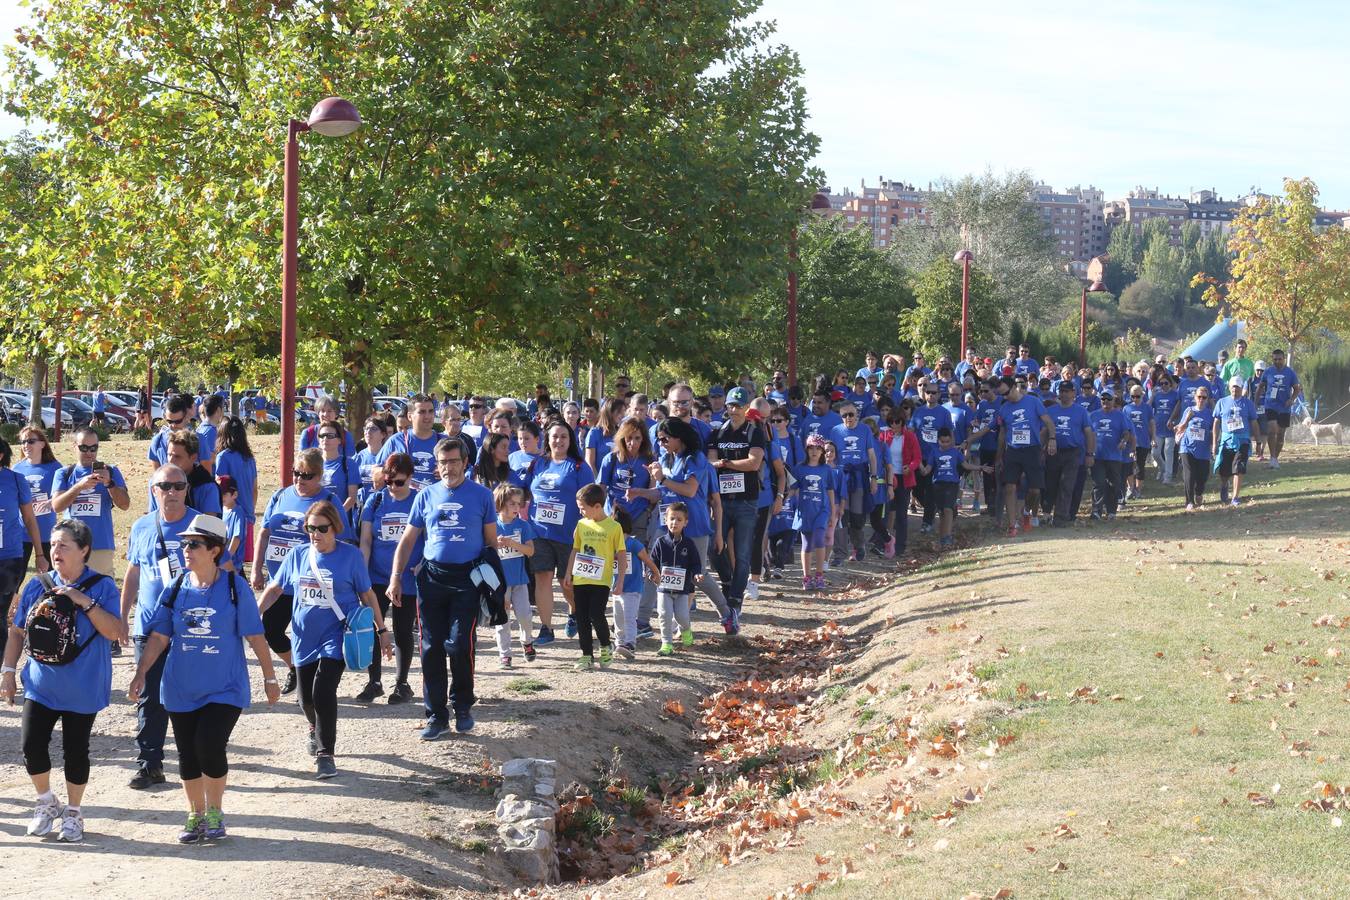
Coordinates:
[726,623]
[735,621]
[506,662]
[775,573]
[402,693]
[545,636]
[289,686]
[215,824]
[571,626]
[1236,502]
[752,590]
[687,637]
[372,690]
[194,830]
[44,814]
[666,650]
[1190,507]
[72,827]
[146,777]
[627,651]
[313,743]
[463,722]
[808,584]
[529,653]
[606,657]
[434,729]
[1012,532]
[584,664]
[889,550]
[325,767]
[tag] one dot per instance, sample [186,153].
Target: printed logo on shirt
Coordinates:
[198,620]
[447,520]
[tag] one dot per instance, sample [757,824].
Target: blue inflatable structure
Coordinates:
[1223,335]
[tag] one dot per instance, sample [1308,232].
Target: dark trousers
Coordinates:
[1195,472]
[1106,486]
[923,489]
[780,548]
[592,601]
[36,735]
[1061,474]
[202,736]
[152,719]
[405,618]
[993,497]
[880,536]
[275,622]
[448,604]
[901,505]
[319,682]
[11,577]
[738,533]
[1079,482]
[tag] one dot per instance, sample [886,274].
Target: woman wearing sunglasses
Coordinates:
[38,467]
[205,685]
[283,529]
[384,518]
[341,475]
[325,581]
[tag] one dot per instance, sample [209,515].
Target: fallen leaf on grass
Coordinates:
[1064,832]
[673,878]
[1060,866]
[674,708]
[1256,798]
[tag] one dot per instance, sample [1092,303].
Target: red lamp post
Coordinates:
[1096,288]
[332,117]
[820,204]
[964,257]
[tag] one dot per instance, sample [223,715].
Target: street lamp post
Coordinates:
[332,117]
[820,204]
[964,257]
[1095,288]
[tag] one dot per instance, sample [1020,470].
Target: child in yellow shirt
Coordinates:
[598,558]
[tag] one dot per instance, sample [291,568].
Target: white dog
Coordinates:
[1324,432]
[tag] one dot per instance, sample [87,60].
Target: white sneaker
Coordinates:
[44,814]
[72,827]
[752,590]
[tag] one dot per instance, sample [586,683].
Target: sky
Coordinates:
[1177,95]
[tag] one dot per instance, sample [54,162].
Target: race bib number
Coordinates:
[731,482]
[1196,428]
[42,504]
[392,528]
[277,550]
[1260,410]
[588,566]
[510,552]
[170,567]
[549,513]
[1020,438]
[930,435]
[672,579]
[1234,422]
[315,593]
[87,506]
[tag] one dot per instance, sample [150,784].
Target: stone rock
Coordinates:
[513,809]
[530,834]
[533,866]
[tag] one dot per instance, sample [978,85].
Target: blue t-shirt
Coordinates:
[519,462]
[790,452]
[1089,402]
[244,471]
[632,576]
[821,425]
[947,465]
[816,485]
[1187,387]
[160,561]
[366,464]
[986,416]
[1028,367]
[83,685]
[619,476]
[1021,420]
[93,506]
[235,528]
[339,474]
[1139,415]
[554,488]
[1236,416]
[926,421]
[14,492]
[1163,403]
[453,520]
[388,519]
[680,469]
[1110,428]
[422,451]
[853,444]
[513,561]
[206,441]
[205,660]
[1195,440]
[1280,386]
[343,578]
[864,402]
[284,520]
[597,441]
[1069,424]
[703,428]
[39,477]
[960,414]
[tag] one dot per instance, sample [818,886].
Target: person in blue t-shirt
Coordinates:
[1163,399]
[208,432]
[203,615]
[861,397]
[38,467]
[821,419]
[1195,437]
[1026,365]
[627,595]
[327,410]
[367,458]
[945,467]
[927,421]
[984,436]
[1188,382]
[1280,390]
[1115,445]
[515,545]
[419,442]
[235,460]
[73,693]
[459,519]
[1235,423]
[384,518]
[554,483]
[328,580]
[88,490]
[341,477]
[859,458]
[1022,421]
[1076,450]
[235,533]
[1140,416]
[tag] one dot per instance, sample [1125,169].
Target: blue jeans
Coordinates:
[738,521]
[152,719]
[449,608]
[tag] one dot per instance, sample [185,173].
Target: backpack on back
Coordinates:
[50,634]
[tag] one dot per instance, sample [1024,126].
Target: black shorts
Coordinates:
[946,493]
[1019,461]
[550,556]
[11,577]
[1140,458]
[1280,418]
[1234,462]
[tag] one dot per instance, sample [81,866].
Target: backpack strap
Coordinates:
[177,586]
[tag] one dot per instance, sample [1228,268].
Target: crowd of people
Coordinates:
[452,512]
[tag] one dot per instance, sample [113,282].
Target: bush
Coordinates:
[1326,381]
[1136,344]
[1061,341]
[267,428]
[103,432]
[10,432]
[142,433]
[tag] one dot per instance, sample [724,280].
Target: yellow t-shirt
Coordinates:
[596,545]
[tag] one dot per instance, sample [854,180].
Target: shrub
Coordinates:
[10,432]
[142,433]
[103,432]
[267,428]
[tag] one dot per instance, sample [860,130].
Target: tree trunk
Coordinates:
[358,369]
[426,376]
[35,392]
[233,375]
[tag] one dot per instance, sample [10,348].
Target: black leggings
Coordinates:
[1194,472]
[202,736]
[318,698]
[592,602]
[923,489]
[880,536]
[780,548]
[38,723]
[275,622]
[11,577]
[405,617]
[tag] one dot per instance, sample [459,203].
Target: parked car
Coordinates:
[118,417]
[389,402]
[20,399]
[11,413]
[129,399]
[82,413]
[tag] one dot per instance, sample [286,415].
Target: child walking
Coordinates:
[232,560]
[946,467]
[628,590]
[816,501]
[598,560]
[515,544]
[676,559]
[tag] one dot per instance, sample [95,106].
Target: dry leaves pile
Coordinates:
[1328,797]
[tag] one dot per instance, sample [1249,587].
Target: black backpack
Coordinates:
[49,630]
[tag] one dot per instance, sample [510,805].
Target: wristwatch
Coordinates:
[382,631]
[269,681]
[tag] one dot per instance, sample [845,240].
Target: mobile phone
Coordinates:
[98,464]
[46,581]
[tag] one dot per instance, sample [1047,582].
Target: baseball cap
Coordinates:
[1066,386]
[716,391]
[1237,381]
[1260,364]
[738,396]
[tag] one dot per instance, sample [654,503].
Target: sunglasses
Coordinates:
[932,393]
[26,441]
[194,545]
[174,423]
[318,529]
[475,406]
[84,448]
[848,415]
[328,436]
[778,421]
[303,475]
[167,486]
[397,482]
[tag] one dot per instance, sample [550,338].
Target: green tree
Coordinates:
[933,324]
[1286,276]
[1164,267]
[1147,306]
[1126,248]
[604,180]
